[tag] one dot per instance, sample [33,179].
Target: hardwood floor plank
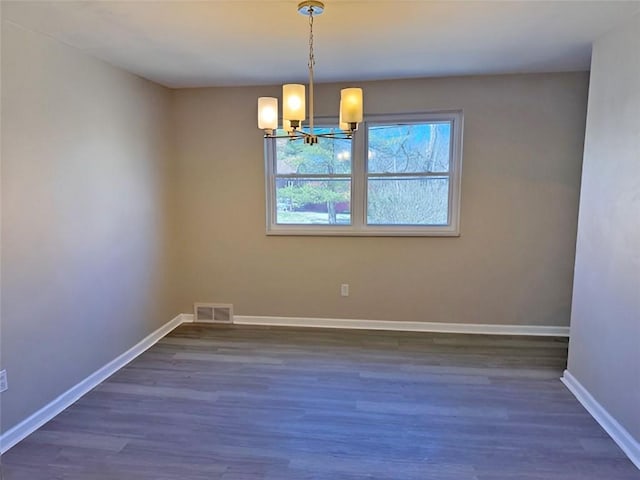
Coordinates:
[106,443]
[157,391]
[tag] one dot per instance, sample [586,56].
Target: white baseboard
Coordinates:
[629,445]
[349,323]
[25,428]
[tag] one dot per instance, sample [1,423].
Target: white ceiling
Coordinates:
[243,42]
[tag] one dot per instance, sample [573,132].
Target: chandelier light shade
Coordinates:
[351,105]
[268,113]
[294,101]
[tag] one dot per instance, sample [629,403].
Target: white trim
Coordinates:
[349,323]
[25,428]
[629,445]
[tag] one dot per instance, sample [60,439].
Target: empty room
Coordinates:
[347,240]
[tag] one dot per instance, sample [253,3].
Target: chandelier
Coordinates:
[293,101]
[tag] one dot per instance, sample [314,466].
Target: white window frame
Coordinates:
[359,178]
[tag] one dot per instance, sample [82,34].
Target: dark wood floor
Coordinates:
[248,403]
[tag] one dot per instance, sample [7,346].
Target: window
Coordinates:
[313,183]
[399,175]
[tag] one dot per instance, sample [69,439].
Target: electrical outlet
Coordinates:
[4,385]
[344,289]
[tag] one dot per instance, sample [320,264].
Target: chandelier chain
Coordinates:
[312,60]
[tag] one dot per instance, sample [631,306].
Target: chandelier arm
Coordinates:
[295,135]
[288,135]
[336,135]
[300,135]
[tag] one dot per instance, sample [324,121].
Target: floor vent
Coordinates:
[212,313]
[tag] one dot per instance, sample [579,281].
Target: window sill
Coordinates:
[369,232]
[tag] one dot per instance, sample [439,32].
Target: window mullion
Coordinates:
[270,167]
[303,176]
[409,175]
[358,166]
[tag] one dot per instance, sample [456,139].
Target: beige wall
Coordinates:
[85,202]
[513,263]
[604,352]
